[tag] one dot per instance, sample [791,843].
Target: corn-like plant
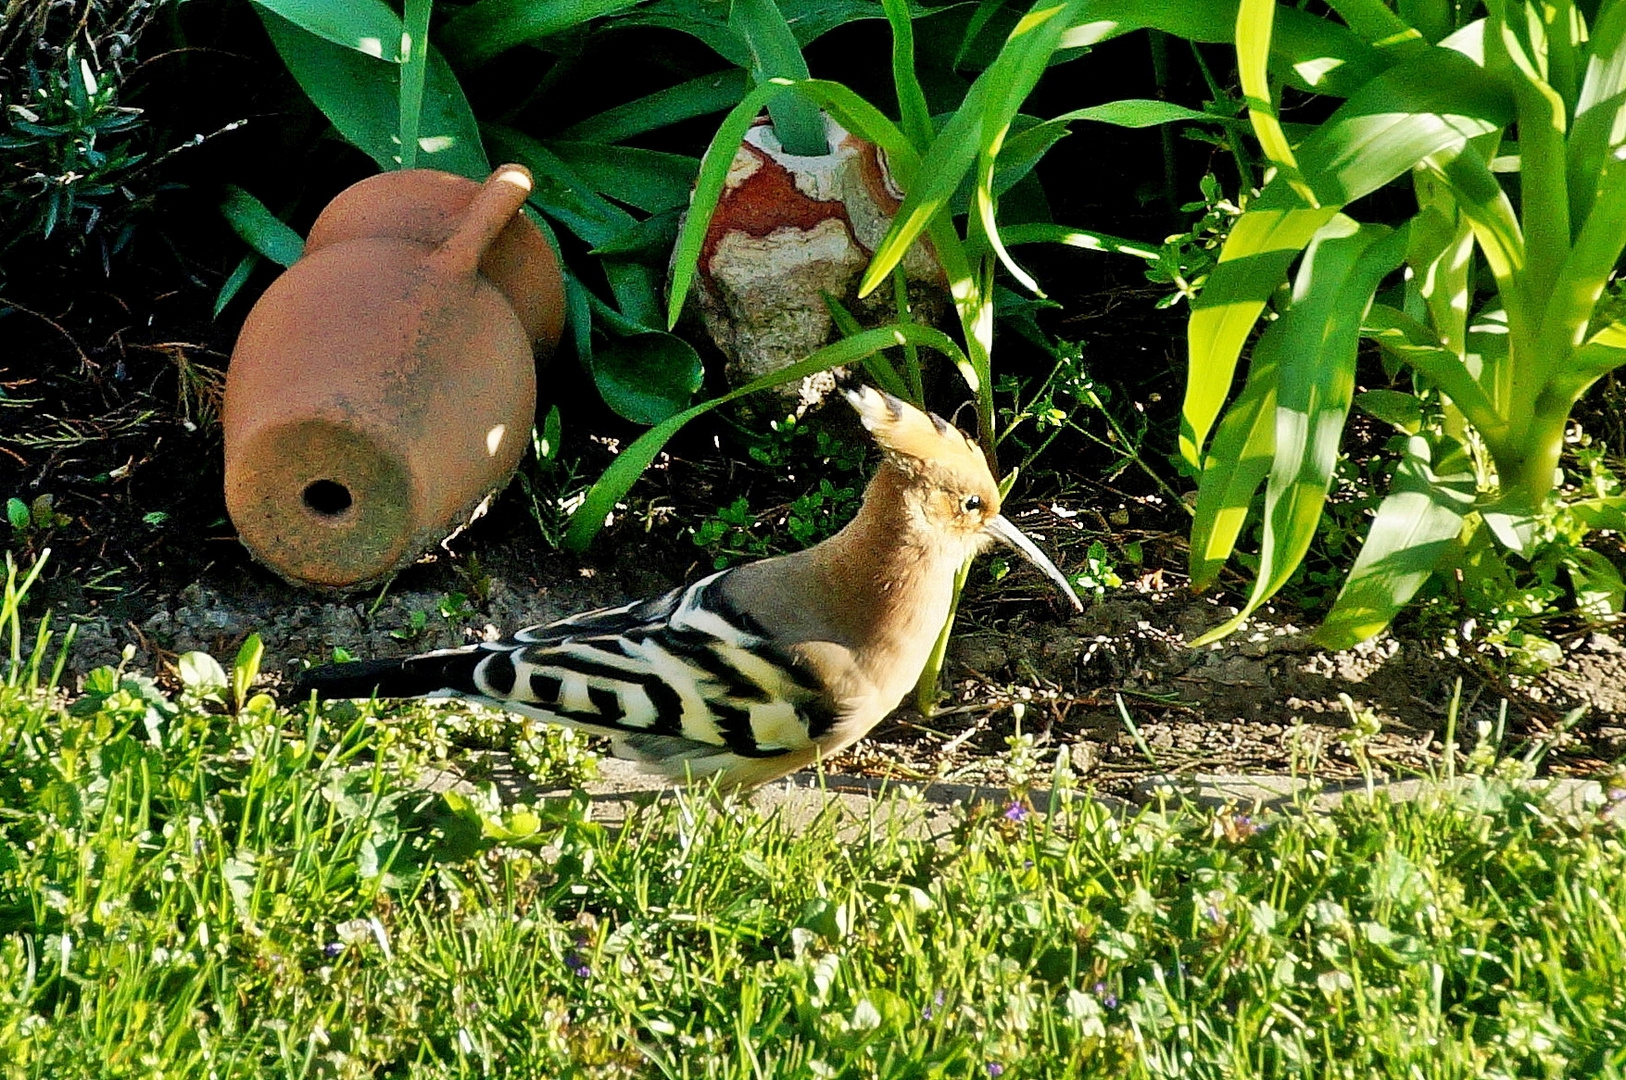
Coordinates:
[1493,371]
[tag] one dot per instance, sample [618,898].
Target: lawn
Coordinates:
[196,881]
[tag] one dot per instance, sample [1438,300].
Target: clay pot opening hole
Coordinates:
[327,498]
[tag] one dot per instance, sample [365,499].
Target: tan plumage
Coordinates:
[757,671]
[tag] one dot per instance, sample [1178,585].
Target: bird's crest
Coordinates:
[904,431]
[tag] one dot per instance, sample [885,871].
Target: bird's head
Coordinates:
[947,485]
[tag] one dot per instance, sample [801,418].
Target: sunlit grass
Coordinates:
[193,889]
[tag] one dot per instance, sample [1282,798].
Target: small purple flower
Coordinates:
[1014,811]
[1212,913]
[995,1069]
[1105,994]
[332,949]
[577,964]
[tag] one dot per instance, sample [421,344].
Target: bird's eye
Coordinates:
[972,504]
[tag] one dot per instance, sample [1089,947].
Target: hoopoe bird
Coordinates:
[760,669]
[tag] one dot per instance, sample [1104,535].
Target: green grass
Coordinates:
[189,888]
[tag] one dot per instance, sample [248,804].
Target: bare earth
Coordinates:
[1263,701]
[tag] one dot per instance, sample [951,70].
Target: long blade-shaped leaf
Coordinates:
[618,479]
[916,117]
[979,123]
[1316,357]
[260,228]
[698,97]
[1254,19]
[1429,106]
[1239,461]
[559,192]
[358,94]
[1430,494]
[414,69]
[1441,258]
[775,55]
[1588,269]
[1045,233]
[367,26]
[483,30]
[1306,50]
[1600,108]
[649,180]
[1414,344]
[1254,261]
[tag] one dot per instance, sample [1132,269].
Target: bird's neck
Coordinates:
[888,575]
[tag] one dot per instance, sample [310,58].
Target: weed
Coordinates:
[39,516]
[455,608]
[738,533]
[1185,259]
[417,623]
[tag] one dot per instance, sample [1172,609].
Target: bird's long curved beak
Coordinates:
[1000,528]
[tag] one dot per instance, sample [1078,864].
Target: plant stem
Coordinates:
[926,687]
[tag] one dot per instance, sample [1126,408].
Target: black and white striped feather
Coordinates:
[687,682]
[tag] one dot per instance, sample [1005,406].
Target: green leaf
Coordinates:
[648,180]
[358,94]
[1599,591]
[1253,263]
[704,20]
[651,238]
[647,377]
[698,97]
[1412,343]
[1602,512]
[877,366]
[481,31]
[1236,464]
[235,282]
[246,668]
[775,55]
[916,115]
[1430,106]
[589,518]
[17,514]
[1307,50]
[1045,233]
[366,26]
[1254,21]
[1431,493]
[559,192]
[1314,345]
[200,673]
[1404,411]
[975,130]
[260,228]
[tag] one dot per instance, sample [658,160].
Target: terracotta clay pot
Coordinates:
[386,383]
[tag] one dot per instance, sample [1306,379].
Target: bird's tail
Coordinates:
[434,673]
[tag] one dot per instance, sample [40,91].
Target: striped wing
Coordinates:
[683,676]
